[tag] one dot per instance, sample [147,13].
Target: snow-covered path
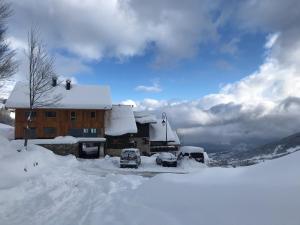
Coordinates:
[70,198]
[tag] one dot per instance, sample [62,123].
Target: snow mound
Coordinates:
[17,165]
[191,165]
[7,131]
[264,194]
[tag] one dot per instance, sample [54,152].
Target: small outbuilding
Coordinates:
[120,129]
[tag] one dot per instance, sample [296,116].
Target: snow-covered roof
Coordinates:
[191,149]
[176,141]
[144,117]
[158,132]
[78,97]
[120,120]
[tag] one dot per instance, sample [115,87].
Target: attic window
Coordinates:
[73,116]
[93,114]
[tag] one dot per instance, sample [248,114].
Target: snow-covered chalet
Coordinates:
[86,113]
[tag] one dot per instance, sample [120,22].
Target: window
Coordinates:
[50,114]
[93,130]
[33,114]
[85,131]
[93,114]
[73,116]
[50,131]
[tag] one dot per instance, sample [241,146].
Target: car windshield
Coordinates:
[197,155]
[166,155]
[128,153]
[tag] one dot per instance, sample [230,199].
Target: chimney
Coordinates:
[54,81]
[68,84]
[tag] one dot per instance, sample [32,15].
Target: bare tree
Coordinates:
[40,76]
[7,64]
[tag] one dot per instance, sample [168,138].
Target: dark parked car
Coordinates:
[130,157]
[166,159]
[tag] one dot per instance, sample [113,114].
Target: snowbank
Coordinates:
[7,131]
[264,194]
[16,166]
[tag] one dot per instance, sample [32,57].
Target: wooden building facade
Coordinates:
[50,123]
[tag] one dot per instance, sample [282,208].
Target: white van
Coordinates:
[193,152]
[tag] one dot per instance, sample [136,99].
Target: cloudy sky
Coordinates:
[226,72]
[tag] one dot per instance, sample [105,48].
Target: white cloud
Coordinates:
[260,107]
[271,40]
[129,102]
[94,29]
[17,44]
[155,87]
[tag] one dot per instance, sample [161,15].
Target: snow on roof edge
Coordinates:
[79,97]
[120,120]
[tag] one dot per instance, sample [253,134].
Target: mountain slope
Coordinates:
[268,151]
[275,149]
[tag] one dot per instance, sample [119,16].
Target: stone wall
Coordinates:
[142,146]
[113,152]
[63,149]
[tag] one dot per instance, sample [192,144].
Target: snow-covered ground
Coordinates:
[67,191]
[7,131]
[147,167]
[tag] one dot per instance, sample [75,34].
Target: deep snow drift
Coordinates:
[7,131]
[63,190]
